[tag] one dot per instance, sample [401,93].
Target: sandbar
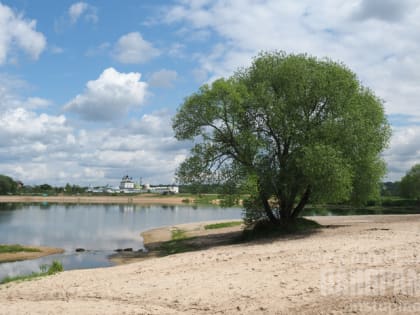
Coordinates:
[24,255]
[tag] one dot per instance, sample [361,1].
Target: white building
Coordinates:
[127,183]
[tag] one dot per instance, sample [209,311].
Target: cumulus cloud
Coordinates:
[16,32]
[20,124]
[133,49]
[110,96]
[144,148]
[38,148]
[163,78]
[82,9]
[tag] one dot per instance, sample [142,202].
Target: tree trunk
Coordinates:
[303,201]
[267,209]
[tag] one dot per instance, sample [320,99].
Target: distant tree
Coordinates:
[410,183]
[7,185]
[291,129]
[45,187]
[390,189]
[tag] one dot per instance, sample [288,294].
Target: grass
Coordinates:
[178,244]
[222,225]
[178,234]
[45,270]
[16,249]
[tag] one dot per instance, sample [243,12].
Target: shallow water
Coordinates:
[100,229]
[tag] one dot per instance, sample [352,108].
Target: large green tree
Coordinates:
[7,185]
[410,183]
[290,128]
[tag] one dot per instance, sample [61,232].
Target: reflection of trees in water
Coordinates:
[44,206]
[170,207]
[11,206]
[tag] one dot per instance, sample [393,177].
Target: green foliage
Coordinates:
[178,234]
[222,225]
[7,185]
[16,249]
[55,267]
[390,189]
[287,130]
[73,189]
[410,183]
[45,270]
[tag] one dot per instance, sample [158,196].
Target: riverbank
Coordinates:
[36,252]
[196,236]
[354,265]
[145,199]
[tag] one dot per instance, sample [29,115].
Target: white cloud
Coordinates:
[38,148]
[18,33]
[79,9]
[387,10]
[132,49]
[404,151]
[379,40]
[110,96]
[20,124]
[163,78]
[9,98]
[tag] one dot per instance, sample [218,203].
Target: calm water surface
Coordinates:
[100,229]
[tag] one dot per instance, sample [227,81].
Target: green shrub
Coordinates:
[45,270]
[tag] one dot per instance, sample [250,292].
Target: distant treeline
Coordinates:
[8,186]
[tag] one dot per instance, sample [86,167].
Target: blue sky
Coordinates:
[88,89]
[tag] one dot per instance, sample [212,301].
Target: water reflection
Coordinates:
[100,229]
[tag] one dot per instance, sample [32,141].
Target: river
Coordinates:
[99,229]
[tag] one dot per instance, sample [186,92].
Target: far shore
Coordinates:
[126,199]
[24,255]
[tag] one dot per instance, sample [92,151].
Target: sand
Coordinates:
[43,251]
[357,265]
[130,199]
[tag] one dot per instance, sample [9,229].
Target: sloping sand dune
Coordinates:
[357,265]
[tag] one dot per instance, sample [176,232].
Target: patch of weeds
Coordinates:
[45,270]
[222,225]
[16,249]
[178,234]
[177,246]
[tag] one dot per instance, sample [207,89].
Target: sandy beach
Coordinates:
[355,265]
[128,199]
